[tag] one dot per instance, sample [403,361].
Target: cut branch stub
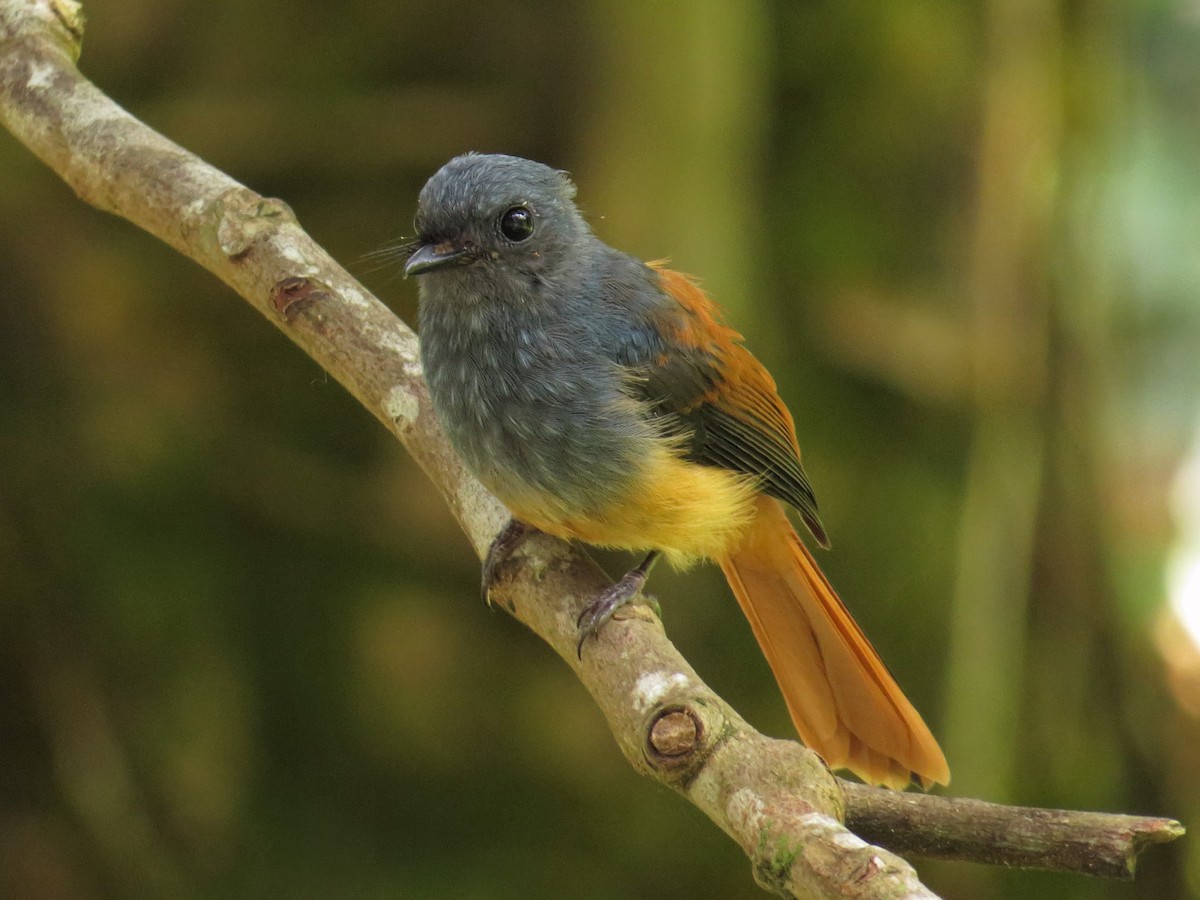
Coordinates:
[674,735]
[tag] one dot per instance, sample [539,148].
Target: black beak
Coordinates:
[436,256]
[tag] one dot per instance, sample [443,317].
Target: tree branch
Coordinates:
[1090,843]
[773,797]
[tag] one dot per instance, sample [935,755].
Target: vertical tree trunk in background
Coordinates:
[699,96]
[1011,296]
[1091,685]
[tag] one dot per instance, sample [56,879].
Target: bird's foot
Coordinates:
[498,553]
[600,610]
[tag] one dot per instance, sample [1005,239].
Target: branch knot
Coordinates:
[247,218]
[675,734]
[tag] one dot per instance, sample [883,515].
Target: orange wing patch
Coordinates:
[746,387]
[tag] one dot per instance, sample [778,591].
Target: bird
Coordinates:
[605,400]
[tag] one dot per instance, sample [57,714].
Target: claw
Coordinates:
[600,610]
[499,552]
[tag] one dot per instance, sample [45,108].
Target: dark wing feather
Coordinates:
[718,395]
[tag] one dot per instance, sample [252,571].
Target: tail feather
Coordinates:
[843,701]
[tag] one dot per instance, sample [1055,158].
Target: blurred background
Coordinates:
[242,652]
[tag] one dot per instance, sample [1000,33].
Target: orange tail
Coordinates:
[845,704]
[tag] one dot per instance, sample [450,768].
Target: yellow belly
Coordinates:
[686,510]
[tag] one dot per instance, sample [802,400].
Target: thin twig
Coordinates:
[1090,843]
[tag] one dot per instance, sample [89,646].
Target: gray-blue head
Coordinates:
[490,216]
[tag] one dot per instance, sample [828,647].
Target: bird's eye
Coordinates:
[516,223]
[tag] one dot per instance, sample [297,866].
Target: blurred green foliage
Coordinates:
[241,651]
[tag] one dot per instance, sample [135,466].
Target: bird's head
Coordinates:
[496,216]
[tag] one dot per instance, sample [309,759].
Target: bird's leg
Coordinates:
[500,550]
[600,610]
